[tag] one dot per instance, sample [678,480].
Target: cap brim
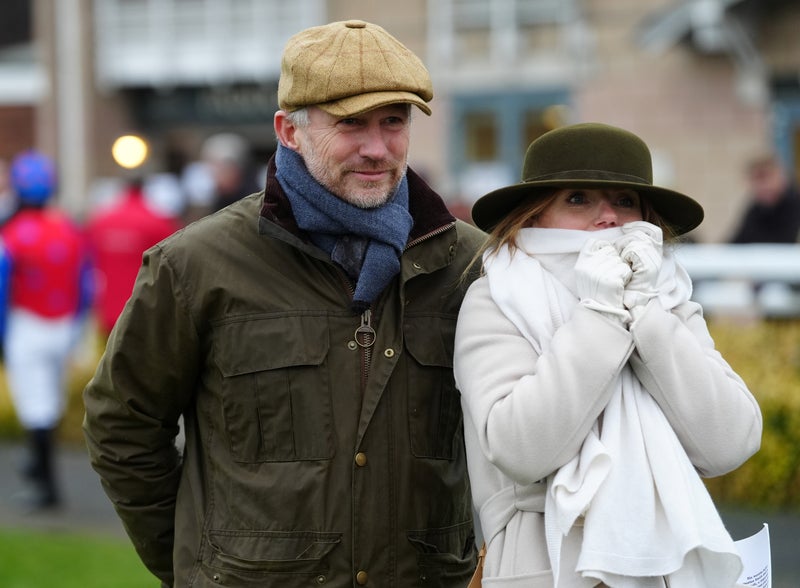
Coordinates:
[681,212]
[361,103]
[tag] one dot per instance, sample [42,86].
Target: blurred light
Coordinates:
[556,116]
[129,151]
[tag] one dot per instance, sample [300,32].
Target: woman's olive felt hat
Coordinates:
[589,155]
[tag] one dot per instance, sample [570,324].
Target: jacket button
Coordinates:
[352,345]
[361,578]
[321,579]
[389,352]
[361,459]
[416,266]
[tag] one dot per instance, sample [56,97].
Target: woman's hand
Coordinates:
[641,247]
[601,278]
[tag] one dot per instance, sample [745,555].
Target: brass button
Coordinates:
[321,579]
[361,578]
[352,345]
[361,459]
[389,352]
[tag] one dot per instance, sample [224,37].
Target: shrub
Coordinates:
[766,354]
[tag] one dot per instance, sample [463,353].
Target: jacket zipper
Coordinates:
[426,236]
[365,334]
[365,338]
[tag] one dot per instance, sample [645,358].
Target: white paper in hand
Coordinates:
[756,559]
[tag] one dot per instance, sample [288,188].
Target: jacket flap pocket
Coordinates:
[271,343]
[429,339]
[458,540]
[268,546]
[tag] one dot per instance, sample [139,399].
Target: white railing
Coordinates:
[760,279]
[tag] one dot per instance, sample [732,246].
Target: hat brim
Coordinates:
[681,212]
[360,103]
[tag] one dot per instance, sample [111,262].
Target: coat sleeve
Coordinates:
[715,416]
[133,404]
[531,412]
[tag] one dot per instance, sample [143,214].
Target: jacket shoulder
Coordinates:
[470,235]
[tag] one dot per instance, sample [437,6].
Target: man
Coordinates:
[305,334]
[118,235]
[8,201]
[43,289]
[225,165]
[773,214]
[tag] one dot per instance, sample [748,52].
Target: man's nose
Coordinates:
[373,143]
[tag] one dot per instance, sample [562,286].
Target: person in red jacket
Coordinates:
[43,277]
[118,235]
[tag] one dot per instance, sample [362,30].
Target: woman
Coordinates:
[591,389]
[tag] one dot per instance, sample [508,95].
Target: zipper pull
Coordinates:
[365,334]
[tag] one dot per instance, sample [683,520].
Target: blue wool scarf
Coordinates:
[346,232]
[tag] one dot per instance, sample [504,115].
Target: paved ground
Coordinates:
[87,510]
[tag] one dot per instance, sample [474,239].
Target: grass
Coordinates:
[31,559]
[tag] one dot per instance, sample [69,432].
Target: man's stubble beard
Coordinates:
[366,197]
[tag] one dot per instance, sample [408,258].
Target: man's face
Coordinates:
[767,183]
[362,158]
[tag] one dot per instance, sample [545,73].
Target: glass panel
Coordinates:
[471,14]
[534,127]
[481,137]
[539,121]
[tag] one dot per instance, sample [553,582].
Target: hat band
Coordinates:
[590,174]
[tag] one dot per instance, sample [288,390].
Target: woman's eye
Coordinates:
[628,201]
[576,198]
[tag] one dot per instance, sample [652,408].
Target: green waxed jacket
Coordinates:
[314,456]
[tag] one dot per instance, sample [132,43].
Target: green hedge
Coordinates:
[766,354]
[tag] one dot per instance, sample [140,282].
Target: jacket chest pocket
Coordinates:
[434,405]
[276,398]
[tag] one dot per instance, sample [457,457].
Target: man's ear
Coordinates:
[285,130]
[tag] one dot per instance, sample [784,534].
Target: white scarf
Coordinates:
[647,514]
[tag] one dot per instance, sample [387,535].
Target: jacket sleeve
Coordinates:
[533,412]
[715,416]
[133,404]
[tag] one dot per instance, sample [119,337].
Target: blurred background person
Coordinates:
[8,201]
[44,275]
[773,212]
[118,234]
[226,160]
[165,195]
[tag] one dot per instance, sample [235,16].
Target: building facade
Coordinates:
[707,83]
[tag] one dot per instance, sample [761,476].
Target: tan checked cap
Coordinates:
[349,67]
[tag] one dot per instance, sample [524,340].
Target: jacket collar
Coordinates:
[426,206]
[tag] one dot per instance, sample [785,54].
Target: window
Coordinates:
[492,132]
[499,30]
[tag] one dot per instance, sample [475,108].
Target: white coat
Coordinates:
[526,415]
